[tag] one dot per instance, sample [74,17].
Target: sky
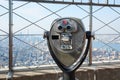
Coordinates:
[32,12]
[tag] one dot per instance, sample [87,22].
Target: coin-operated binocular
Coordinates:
[67,45]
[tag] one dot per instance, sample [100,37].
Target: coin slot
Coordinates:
[55,36]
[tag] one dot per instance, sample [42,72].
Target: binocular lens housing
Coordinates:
[67,39]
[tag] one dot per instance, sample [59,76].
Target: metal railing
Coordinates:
[28,20]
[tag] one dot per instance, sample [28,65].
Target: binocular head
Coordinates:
[67,40]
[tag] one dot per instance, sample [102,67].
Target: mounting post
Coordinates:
[10,73]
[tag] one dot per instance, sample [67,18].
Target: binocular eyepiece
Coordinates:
[64,25]
[65,28]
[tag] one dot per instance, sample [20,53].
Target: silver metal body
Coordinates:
[67,39]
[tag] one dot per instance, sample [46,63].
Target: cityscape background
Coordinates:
[30,20]
[27,55]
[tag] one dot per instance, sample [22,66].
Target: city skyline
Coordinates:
[34,18]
